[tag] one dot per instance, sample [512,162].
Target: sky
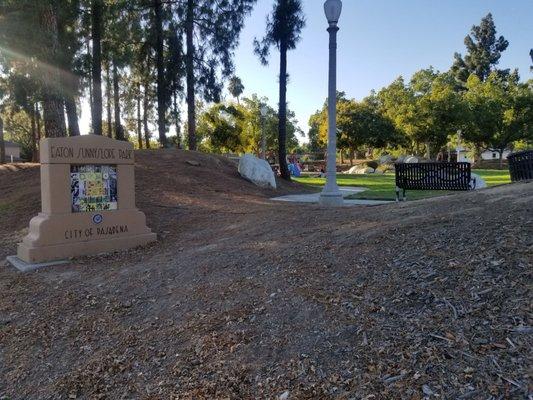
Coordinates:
[378,41]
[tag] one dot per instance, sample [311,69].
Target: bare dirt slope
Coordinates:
[244,298]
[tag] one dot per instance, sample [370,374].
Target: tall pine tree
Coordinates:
[284,27]
[483,52]
[210,59]
[97,9]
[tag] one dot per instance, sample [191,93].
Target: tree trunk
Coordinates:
[189,66]
[160,74]
[2,143]
[72,116]
[177,119]
[145,118]
[36,156]
[96,11]
[428,150]
[54,116]
[89,55]
[38,119]
[500,152]
[282,115]
[53,107]
[352,155]
[108,100]
[139,121]
[119,129]
[33,134]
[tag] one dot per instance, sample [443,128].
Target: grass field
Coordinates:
[382,187]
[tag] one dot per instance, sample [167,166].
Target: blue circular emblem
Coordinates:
[97,218]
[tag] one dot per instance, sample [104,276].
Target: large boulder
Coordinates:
[412,160]
[479,182]
[364,171]
[385,159]
[401,158]
[257,171]
[353,170]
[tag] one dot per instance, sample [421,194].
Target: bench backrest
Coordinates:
[433,176]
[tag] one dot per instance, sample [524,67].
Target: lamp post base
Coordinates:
[333,199]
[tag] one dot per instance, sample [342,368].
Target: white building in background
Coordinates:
[12,151]
[488,155]
[462,154]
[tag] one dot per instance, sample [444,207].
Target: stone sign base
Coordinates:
[87,201]
[53,237]
[23,266]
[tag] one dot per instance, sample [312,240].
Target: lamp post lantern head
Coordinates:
[333,9]
[263,109]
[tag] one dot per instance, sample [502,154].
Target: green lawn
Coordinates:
[382,187]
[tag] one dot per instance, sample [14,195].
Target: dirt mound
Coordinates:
[165,180]
[245,298]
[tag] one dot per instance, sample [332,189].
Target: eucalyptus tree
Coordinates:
[283,30]
[211,30]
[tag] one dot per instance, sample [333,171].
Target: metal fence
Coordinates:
[521,165]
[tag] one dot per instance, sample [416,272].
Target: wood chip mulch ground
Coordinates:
[243,298]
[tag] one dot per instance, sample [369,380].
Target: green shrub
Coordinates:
[389,167]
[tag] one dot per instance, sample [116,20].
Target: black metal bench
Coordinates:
[521,165]
[433,176]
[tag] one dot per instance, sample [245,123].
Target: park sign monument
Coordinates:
[88,201]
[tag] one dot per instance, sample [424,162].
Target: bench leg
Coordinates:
[397,194]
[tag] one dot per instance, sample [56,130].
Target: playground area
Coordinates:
[397,299]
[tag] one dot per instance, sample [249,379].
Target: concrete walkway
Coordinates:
[345,190]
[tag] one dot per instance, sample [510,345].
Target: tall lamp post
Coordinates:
[263,109]
[331,195]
